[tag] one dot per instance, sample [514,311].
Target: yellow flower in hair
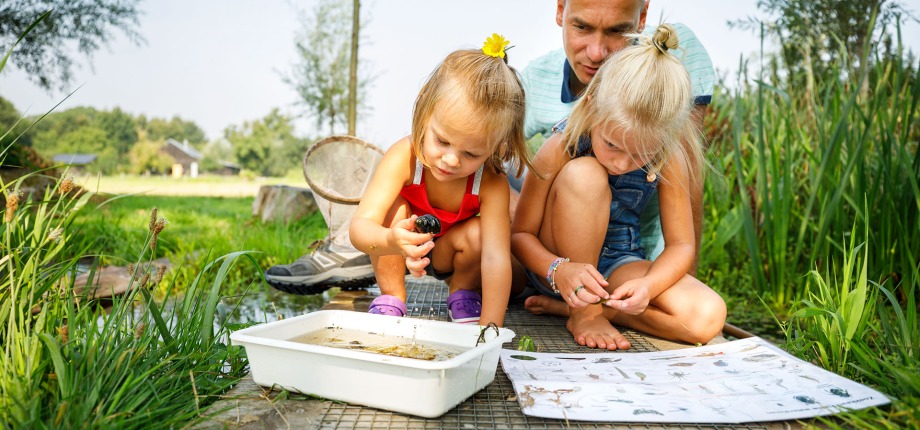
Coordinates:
[495,45]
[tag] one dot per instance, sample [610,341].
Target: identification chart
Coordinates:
[746,380]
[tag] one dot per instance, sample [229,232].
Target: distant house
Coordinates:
[185,158]
[77,162]
[228,168]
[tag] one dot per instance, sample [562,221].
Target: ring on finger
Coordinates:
[571,296]
[577,289]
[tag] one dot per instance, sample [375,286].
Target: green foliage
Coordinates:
[175,128]
[47,53]
[146,157]
[268,145]
[321,74]
[67,362]
[526,344]
[810,168]
[198,228]
[834,315]
[107,134]
[800,170]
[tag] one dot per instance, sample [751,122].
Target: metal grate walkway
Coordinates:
[495,407]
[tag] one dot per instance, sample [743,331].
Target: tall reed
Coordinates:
[801,168]
[68,362]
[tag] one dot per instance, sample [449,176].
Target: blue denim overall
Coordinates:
[630,192]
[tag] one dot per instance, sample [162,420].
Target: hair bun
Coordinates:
[665,37]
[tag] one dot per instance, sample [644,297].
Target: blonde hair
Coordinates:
[646,91]
[492,92]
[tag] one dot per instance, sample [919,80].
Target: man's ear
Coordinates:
[560,12]
[642,15]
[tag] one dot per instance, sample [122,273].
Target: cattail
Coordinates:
[12,203]
[139,330]
[160,272]
[153,219]
[131,269]
[66,185]
[156,229]
[64,332]
[144,280]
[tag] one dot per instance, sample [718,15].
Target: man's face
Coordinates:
[592,30]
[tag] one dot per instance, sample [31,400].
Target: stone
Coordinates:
[283,202]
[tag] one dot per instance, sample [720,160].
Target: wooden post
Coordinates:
[353,75]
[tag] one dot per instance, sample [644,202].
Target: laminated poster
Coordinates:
[746,380]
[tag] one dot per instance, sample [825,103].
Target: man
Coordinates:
[592,31]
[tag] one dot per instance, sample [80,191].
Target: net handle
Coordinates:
[318,189]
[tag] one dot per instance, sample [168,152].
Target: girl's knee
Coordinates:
[583,176]
[710,317]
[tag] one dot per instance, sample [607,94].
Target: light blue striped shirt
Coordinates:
[543,80]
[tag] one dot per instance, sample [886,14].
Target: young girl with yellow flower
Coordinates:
[467,123]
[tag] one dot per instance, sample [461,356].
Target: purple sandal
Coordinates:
[464,306]
[387,305]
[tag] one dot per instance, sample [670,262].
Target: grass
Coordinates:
[68,362]
[200,228]
[825,226]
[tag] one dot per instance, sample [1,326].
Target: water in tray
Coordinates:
[359,340]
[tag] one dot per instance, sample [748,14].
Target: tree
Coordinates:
[321,74]
[108,134]
[146,157]
[819,38]
[176,128]
[266,146]
[46,54]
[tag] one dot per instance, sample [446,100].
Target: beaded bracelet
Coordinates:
[551,273]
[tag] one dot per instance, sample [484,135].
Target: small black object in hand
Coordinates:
[428,224]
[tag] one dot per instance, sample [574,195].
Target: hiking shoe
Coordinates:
[324,268]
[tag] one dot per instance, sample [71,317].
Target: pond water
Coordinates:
[269,304]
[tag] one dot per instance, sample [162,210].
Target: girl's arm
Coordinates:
[528,220]
[495,234]
[370,232]
[679,243]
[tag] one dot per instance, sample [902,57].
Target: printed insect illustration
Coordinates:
[760,358]
[679,375]
[428,224]
[839,392]
[805,399]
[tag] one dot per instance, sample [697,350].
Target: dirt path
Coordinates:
[212,186]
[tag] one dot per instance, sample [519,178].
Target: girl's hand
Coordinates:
[632,297]
[416,266]
[414,246]
[580,284]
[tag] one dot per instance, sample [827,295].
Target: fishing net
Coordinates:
[338,169]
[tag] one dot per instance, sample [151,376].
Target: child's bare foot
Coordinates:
[590,328]
[540,305]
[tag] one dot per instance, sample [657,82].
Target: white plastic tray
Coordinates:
[417,387]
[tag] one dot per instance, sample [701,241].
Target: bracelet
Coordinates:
[551,273]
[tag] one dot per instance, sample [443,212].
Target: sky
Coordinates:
[221,62]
